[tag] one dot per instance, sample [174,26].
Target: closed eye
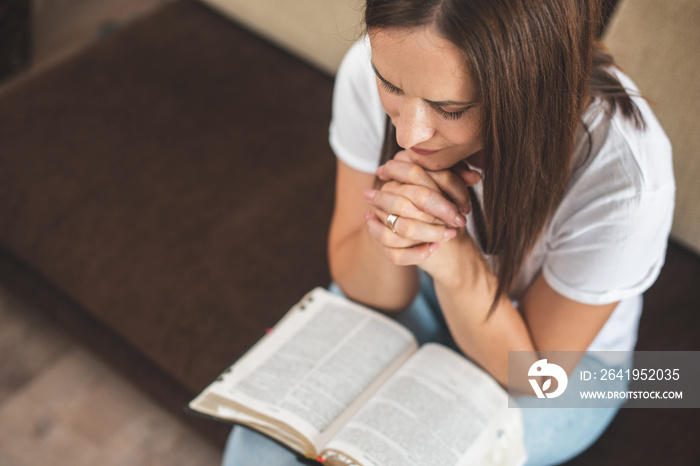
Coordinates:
[387,86]
[437,106]
[450,115]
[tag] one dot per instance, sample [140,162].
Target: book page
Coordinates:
[316,364]
[438,409]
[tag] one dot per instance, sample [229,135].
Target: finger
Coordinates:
[407,173]
[469,176]
[403,170]
[433,203]
[410,256]
[413,230]
[397,204]
[443,180]
[385,236]
[454,188]
[403,156]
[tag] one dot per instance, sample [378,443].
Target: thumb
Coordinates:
[469,176]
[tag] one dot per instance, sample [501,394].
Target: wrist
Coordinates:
[471,274]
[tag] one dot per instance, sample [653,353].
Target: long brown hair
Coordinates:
[534,64]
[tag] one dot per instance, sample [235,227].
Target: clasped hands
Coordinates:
[430,205]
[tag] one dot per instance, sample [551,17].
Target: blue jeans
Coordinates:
[552,435]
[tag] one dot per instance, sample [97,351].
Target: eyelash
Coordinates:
[444,113]
[389,88]
[450,115]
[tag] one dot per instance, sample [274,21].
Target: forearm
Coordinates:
[465,299]
[359,266]
[486,341]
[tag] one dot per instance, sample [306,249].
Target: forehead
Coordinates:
[422,63]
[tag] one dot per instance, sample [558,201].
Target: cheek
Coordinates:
[466,135]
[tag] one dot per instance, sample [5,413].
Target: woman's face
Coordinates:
[426,90]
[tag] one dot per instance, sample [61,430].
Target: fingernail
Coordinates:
[450,233]
[367,216]
[369,194]
[460,220]
[433,247]
[380,169]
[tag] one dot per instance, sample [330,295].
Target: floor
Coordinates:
[61,28]
[60,405]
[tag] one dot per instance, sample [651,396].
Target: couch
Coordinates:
[165,197]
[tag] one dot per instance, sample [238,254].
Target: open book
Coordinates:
[339,382]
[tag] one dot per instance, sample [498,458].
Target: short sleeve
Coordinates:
[619,254]
[356,130]
[608,238]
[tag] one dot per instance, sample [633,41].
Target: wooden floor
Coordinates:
[60,405]
[61,28]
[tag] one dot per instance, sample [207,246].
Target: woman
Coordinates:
[494,170]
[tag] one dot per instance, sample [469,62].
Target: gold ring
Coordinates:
[391,222]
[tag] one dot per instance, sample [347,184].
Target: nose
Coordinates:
[413,125]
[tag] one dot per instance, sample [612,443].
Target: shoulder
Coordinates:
[647,148]
[618,162]
[356,65]
[607,239]
[357,126]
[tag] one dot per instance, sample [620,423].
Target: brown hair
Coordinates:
[534,64]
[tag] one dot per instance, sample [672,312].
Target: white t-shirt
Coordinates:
[605,242]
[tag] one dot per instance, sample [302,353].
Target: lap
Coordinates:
[552,435]
[246,447]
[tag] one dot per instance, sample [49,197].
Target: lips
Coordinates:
[420,151]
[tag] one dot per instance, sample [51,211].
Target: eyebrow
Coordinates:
[439,103]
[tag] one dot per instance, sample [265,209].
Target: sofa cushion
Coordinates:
[175,181]
[658,44]
[318,31]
